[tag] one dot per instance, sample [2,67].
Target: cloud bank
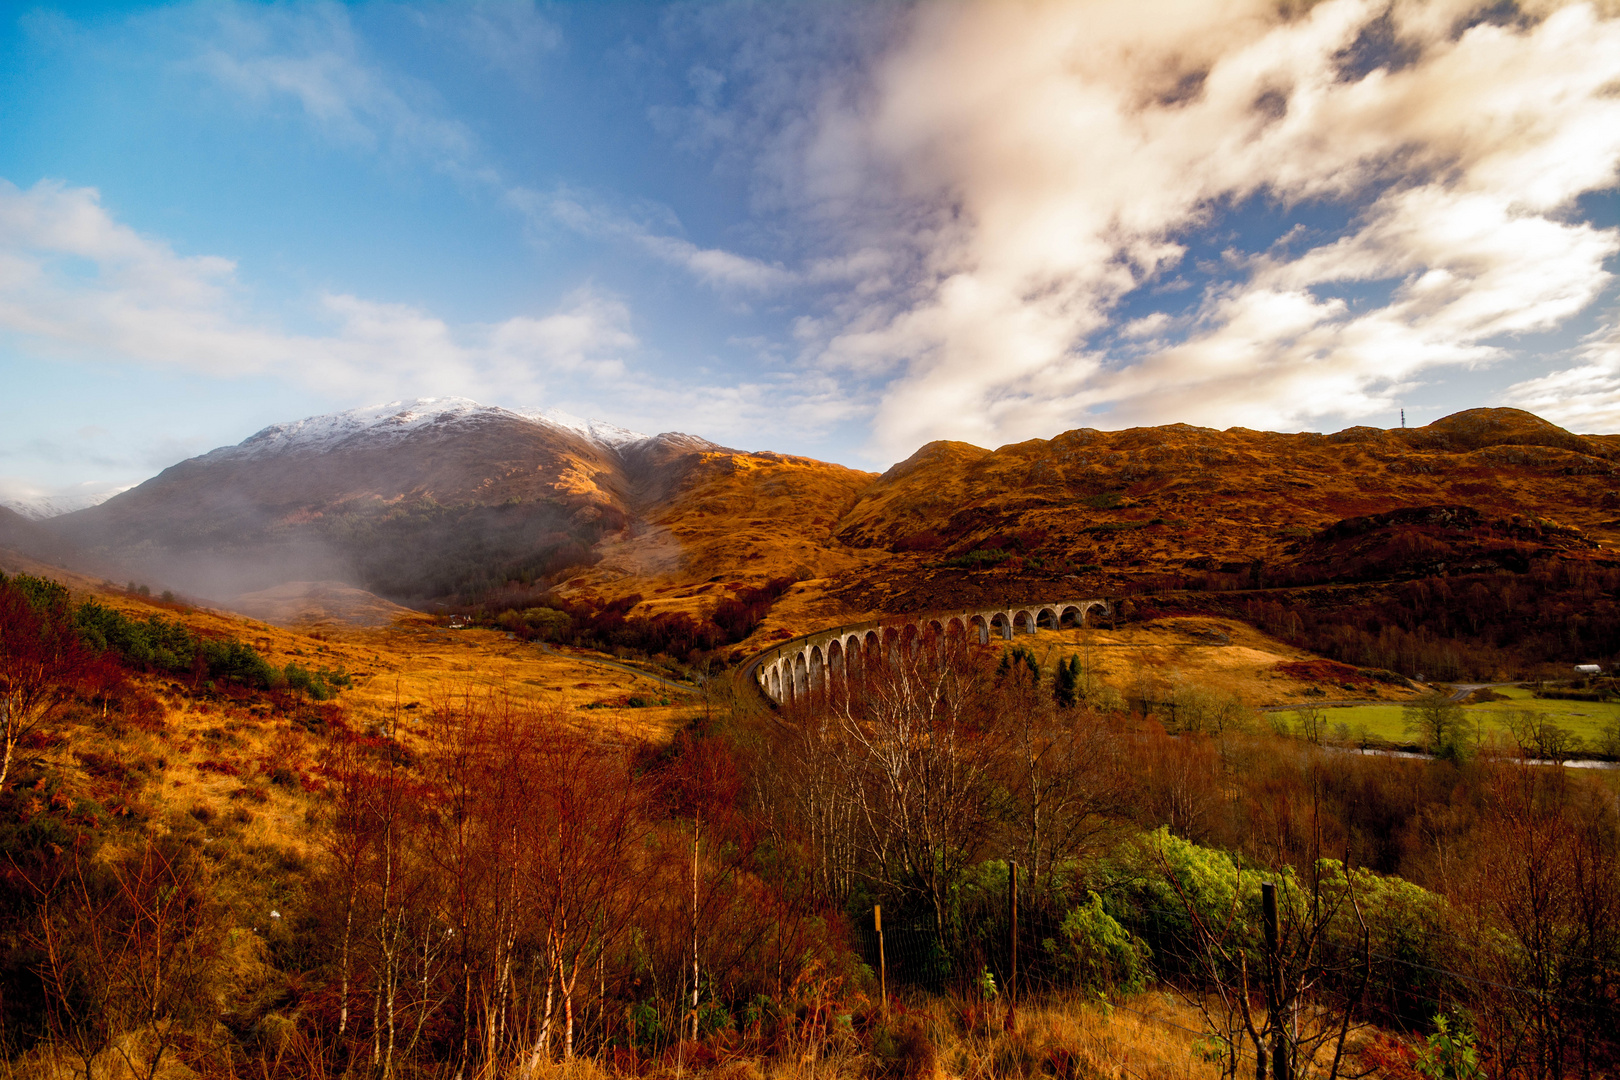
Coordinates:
[76,282]
[1046,163]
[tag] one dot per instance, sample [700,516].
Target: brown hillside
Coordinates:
[1090,509]
[735,520]
[318,603]
[28,539]
[1102,513]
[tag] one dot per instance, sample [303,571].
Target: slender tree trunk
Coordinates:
[542,1045]
[568,1008]
[376,1029]
[427,970]
[393,991]
[348,931]
[697,825]
[5,763]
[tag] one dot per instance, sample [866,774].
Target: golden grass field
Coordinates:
[219,757]
[1220,655]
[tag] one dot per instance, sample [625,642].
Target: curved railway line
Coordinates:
[791,669]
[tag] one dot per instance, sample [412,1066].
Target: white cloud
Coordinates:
[1468,270]
[313,57]
[1029,164]
[76,282]
[1585,397]
[590,337]
[752,413]
[713,266]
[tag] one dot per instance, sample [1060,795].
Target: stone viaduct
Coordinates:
[792,669]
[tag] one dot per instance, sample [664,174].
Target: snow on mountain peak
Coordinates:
[596,430]
[399,418]
[37,504]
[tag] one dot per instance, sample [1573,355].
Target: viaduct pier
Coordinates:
[795,667]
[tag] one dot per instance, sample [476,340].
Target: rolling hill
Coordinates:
[1101,511]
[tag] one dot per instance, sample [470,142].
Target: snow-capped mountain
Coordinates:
[411,499]
[39,505]
[398,420]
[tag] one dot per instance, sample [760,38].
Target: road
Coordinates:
[1462,690]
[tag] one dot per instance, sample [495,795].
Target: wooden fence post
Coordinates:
[1012,920]
[1279,1041]
[883,964]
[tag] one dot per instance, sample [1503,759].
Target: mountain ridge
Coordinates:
[445,499]
[42,507]
[1106,509]
[412,499]
[401,419]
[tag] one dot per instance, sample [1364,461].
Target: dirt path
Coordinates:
[1462,690]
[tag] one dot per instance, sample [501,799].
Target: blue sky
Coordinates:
[832,229]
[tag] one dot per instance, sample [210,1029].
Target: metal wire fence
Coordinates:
[1402,993]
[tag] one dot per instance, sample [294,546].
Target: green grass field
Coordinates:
[1587,719]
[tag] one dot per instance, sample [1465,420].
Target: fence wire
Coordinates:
[1402,994]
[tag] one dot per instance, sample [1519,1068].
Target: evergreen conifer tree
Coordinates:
[1065,682]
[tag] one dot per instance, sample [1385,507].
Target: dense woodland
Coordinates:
[484,891]
[1489,625]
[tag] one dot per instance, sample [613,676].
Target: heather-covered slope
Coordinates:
[736,520]
[1095,509]
[452,500]
[16,531]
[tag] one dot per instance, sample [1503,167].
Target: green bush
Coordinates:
[1450,1054]
[158,644]
[1066,683]
[545,623]
[1097,952]
[236,662]
[1168,875]
[979,558]
[303,681]
[43,594]
[646,1026]
[321,684]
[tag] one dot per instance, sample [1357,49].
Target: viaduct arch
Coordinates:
[790,670]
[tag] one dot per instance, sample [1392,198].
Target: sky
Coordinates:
[840,229]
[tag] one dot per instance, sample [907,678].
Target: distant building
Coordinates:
[1588,669]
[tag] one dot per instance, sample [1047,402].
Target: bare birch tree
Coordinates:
[914,748]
